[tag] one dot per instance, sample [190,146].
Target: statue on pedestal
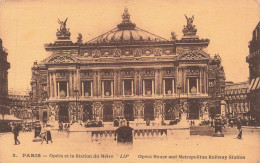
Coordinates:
[189,29]
[63,32]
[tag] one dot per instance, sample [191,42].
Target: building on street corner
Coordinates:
[127,72]
[20,103]
[4,66]
[237,101]
[254,74]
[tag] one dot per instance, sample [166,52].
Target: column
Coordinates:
[95,88]
[115,82]
[163,86]
[70,83]
[103,90]
[78,80]
[152,87]
[48,82]
[112,88]
[67,89]
[206,79]
[75,81]
[184,80]
[172,86]
[119,83]
[91,88]
[50,85]
[177,79]
[143,87]
[156,81]
[136,82]
[55,84]
[58,89]
[123,83]
[82,89]
[160,81]
[132,87]
[197,85]
[99,84]
[188,86]
[140,82]
[200,90]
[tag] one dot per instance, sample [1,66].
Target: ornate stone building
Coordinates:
[4,66]
[126,71]
[20,106]
[237,102]
[216,87]
[253,60]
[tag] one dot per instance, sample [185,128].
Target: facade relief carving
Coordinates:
[158,52]
[138,109]
[98,109]
[137,53]
[107,74]
[192,71]
[127,73]
[53,113]
[193,56]
[168,72]
[118,109]
[147,52]
[148,73]
[62,59]
[116,53]
[62,74]
[158,108]
[96,54]
[86,74]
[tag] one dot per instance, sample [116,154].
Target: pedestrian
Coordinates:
[211,124]
[65,127]
[239,127]
[68,127]
[16,134]
[43,134]
[37,130]
[60,126]
[48,134]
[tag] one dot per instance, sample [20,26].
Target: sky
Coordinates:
[26,25]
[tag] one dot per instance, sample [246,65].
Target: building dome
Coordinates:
[127,32]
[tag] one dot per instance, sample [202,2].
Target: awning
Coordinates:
[255,85]
[251,84]
[7,117]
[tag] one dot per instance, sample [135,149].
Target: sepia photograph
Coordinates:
[130,81]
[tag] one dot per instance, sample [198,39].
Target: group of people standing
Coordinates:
[65,126]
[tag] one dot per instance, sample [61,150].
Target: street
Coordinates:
[72,146]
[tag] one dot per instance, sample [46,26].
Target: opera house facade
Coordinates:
[126,72]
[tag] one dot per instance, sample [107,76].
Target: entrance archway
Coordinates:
[63,113]
[169,111]
[87,112]
[148,111]
[129,112]
[108,113]
[194,110]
